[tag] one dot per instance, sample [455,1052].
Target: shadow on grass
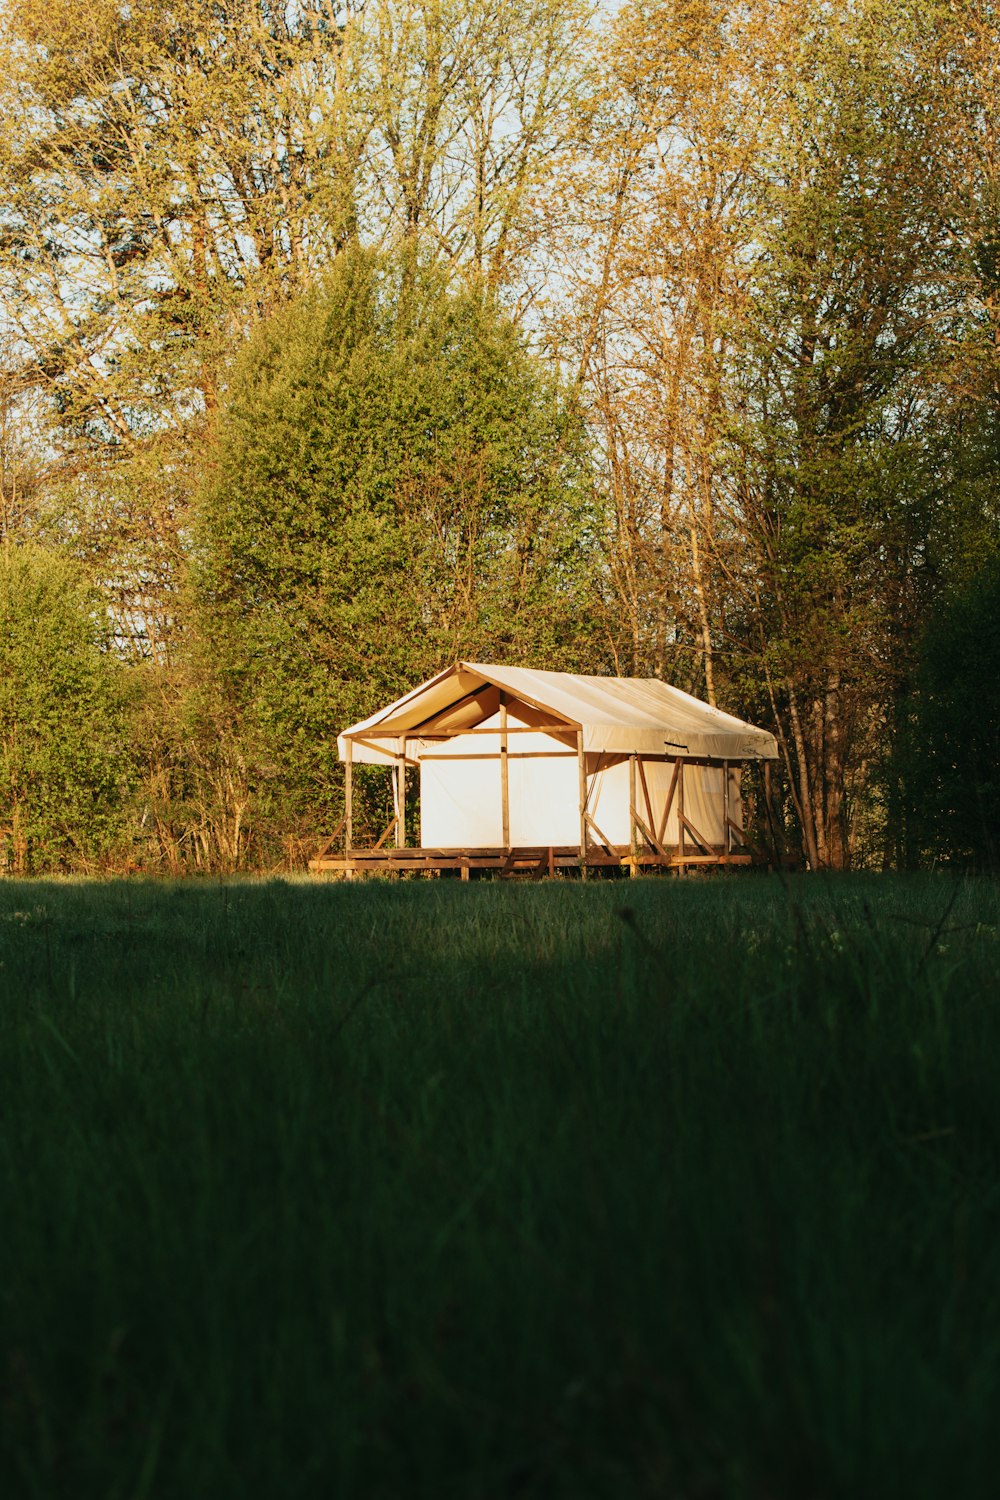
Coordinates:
[653,1188]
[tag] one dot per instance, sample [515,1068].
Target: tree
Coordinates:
[658,265]
[169,172]
[396,485]
[469,103]
[63,714]
[834,404]
[773,320]
[951,761]
[23,465]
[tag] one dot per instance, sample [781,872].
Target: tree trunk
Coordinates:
[807,809]
[838,851]
[697,578]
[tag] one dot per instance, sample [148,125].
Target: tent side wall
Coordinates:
[704,800]
[461,800]
[461,804]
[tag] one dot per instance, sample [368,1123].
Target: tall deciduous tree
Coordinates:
[849,294]
[770,338]
[169,173]
[470,103]
[657,266]
[397,485]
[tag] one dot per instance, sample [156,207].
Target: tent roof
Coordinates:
[618,715]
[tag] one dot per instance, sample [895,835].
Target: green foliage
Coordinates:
[951,755]
[766,240]
[63,721]
[396,485]
[837,442]
[120,121]
[471,1192]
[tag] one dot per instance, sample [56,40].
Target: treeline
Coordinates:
[341,341]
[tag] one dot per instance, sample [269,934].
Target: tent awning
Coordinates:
[617,715]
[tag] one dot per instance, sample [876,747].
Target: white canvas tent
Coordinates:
[598,768]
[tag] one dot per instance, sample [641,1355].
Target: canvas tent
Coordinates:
[597,768]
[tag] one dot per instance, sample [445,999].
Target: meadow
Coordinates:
[679,1189]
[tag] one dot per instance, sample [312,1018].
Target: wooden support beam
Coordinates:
[680,812]
[632,840]
[645,794]
[401,800]
[705,861]
[381,750]
[491,729]
[699,838]
[602,838]
[661,832]
[726,820]
[748,842]
[386,832]
[348,797]
[481,697]
[504,778]
[582,764]
[511,754]
[533,860]
[650,837]
[321,852]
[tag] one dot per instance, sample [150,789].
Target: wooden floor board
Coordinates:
[536,860]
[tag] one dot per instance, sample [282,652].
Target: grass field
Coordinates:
[644,1189]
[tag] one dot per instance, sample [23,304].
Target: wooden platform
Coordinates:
[536,863]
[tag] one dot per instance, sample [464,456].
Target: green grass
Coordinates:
[650,1189]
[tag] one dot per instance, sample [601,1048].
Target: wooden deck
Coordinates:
[537,863]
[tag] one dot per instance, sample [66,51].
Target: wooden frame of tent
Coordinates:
[647,846]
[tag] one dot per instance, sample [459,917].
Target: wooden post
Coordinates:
[581,761]
[401,800]
[633,867]
[348,798]
[725,807]
[504,784]
[680,813]
[394,825]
